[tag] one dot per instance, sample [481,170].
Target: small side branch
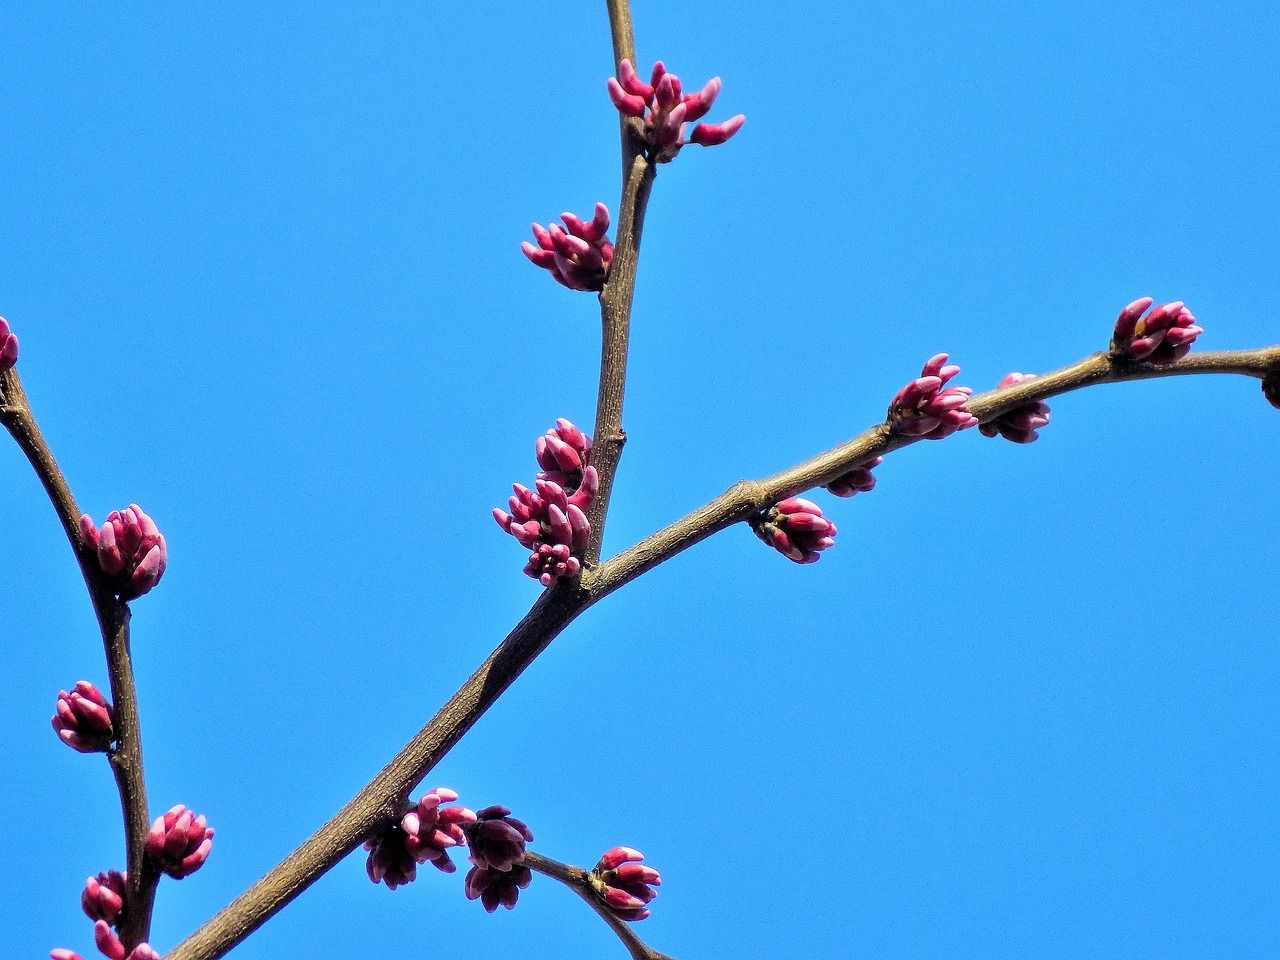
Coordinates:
[125,755]
[579,881]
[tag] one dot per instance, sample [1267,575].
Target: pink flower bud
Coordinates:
[1271,388]
[108,943]
[1162,337]
[129,549]
[179,842]
[62,953]
[624,885]
[714,134]
[494,887]
[144,951]
[497,839]
[82,719]
[8,346]
[1021,423]
[923,408]
[795,528]
[426,832]
[663,109]
[577,255]
[104,896]
[552,521]
[857,480]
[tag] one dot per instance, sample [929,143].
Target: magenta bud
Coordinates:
[108,943]
[62,953]
[577,255]
[632,84]
[8,346]
[623,884]
[129,550]
[796,528]
[178,843]
[104,896]
[628,104]
[699,103]
[618,855]
[1021,423]
[857,480]
[144,951]
[667,92]
[494,888]
[714,134]
[83,719]
[1163,336]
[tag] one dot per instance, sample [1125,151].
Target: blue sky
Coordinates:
[264,262]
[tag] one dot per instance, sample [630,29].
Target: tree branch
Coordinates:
[385,796]
[579,881]
[125,756]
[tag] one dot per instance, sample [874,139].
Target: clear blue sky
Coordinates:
[264,262]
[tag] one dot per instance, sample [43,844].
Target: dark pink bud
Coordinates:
[857,480]
[577,255]
[631,83]
[623,884]
[1021,423]
[497,839]
[1162,337]
[8,346]
[104,896]
[108,943]
[62,953]
[179,842]
[144,951]
[630,104]
[495,887]
[927,408]
[699,103]
[1271,387]
[714,134]
[426,832]
[667,92]
[796,528]
[129,549]
[82,719]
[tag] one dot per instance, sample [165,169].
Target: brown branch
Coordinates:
[579,881]
[748,497]
[125,754]
[384,798]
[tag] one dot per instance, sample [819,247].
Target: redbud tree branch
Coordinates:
[384,798]
[616,297]
[579,881]
[125,755]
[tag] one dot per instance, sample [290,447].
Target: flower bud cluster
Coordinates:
[1162,337]
[104,896]
[666,109]
[577,254]
[1021,423]
[795,528]
[927,408]
[625,886]
[426,833]
[179,842]
[129,549]
[857,480]
[82,719]
[551,519]
[8,346]
[497,841]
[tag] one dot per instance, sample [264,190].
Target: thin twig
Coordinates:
[125,754]
[385,796]
[579,881]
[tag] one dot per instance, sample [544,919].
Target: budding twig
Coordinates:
[579,881]
[125,755]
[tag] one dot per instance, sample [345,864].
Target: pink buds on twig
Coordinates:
[104,896]
[179,842]
[665,110]
[129,549]
[551,519]
[795,528]
[929,409]
[8,346]
[857,480]
[1161,337]
[82,719]
[577,254]
[625,886]
[1021,423]
[494,887]
[426,832]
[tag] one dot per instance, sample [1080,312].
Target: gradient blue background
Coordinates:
[263,259]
